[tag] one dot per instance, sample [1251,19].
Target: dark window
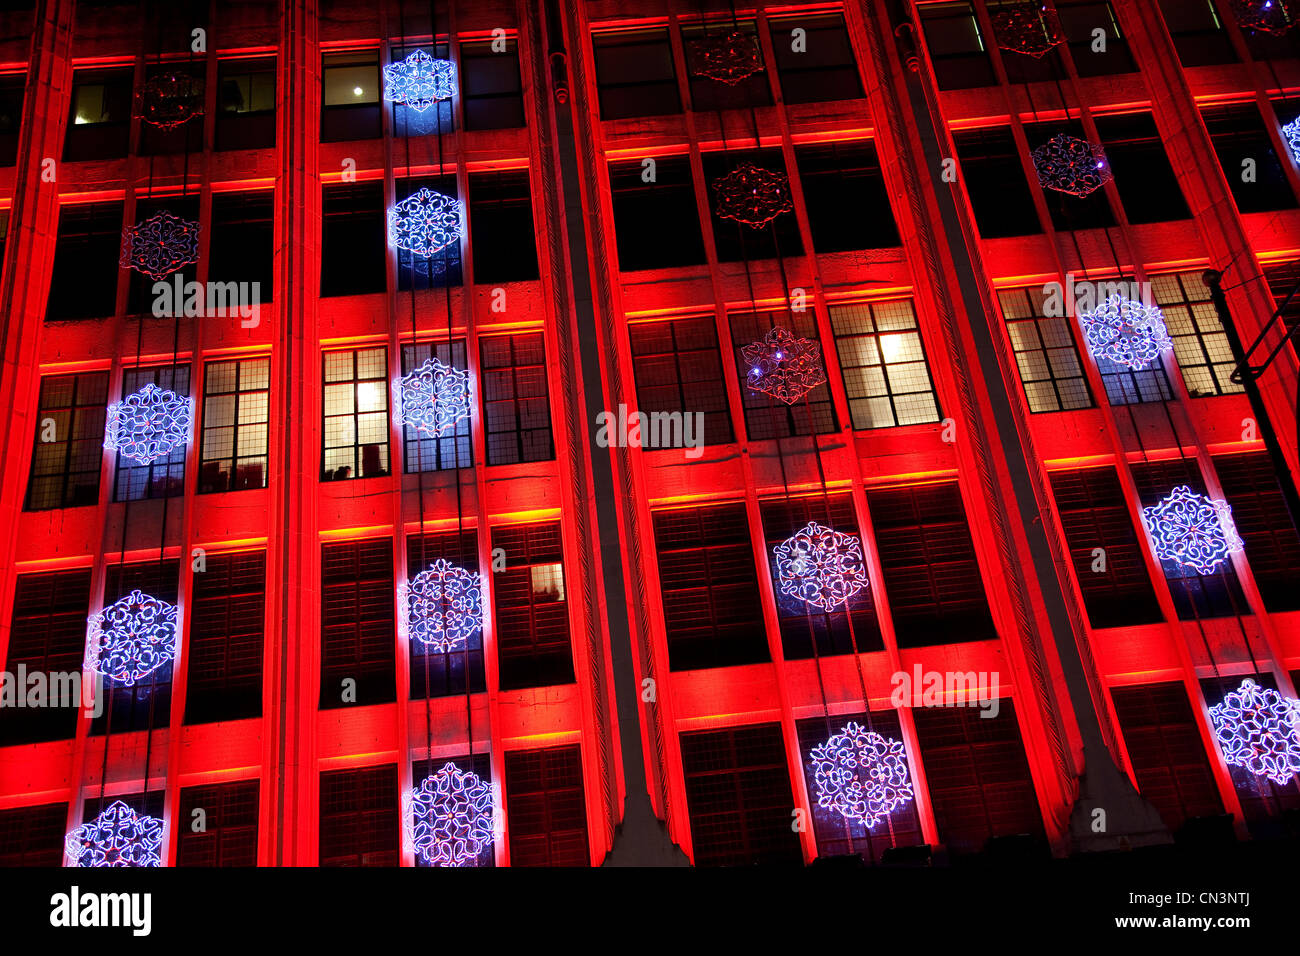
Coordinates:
[819,65]
[844,193]
[736,241]
[678,370]
[146,704]
[437,118]
[443,268]
[186,137]
[1024,67]
[635,75]
[357,642]
[436,673]
[1250,164]
[493,97]
[242,249]
[227,618]
[1265,46]
[47,636]
[353,259]
[1258,510]
[1284,282]
[11,115]
[502,235]
[355,414]
[83,284]
[229,837]
[1093,515]
[1079,18]
[350,105]
[1070,212]
[738,797]
[99,123]
[1047,356]
[33,836]
[651,203]
[479,764]
[516,408]
[1198,34]
[425,452]
[931,573]
[977,775]
[1200,344]
[246,103]
[708,93]
[359,811]
[883,362]
[164,477]
[957,50]
[546,808]
[65,468]
[1166,751]
[1146,182]
[995,183]
[713,611]
[766,416]
[236,410]
[532,610]
[140,299]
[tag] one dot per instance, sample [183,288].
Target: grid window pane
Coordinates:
[452,449]
[69,441]
[359,817]
[678,370]
[516,406]
[229,834]
[227,622]
[1045,352]
[164,477]
[355,414]
[532,612]
[357,624]
[1200,344]
[236,411]
[546,807]
[883,360]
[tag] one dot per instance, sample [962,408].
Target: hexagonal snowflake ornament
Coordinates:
[148,424]
[419,81]
[444,606]
[752,195]
[1127,333]
[449,818]
[160,245]
[783,365]
[819,566]
[433,398]
[861,775]
[1259,729]
[424,223]
[1071,165]
[117,837]
[1270,16]
[131,638]
[1292,133]
[1031,28]
[171,99]
[726,57]
[1193,530]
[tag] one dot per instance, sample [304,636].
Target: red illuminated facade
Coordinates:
[637,651]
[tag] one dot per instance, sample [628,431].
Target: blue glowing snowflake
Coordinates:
[1292,133]
[433,398]
[1193,530]
[819,566]
[783,366]
[1071,165]
[131,638]
[861,775]
[1125,332]
[148,424]
[1259,729]
[160,245]
[117,837]
[424,223]
[419,81]
[449,817]
[444,606]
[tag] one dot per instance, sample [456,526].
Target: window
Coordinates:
[1165,749]
[1197,32]
[1093,515]
[502,234]
[83,284]
[146,704]
[1243,145]
[1069,213]
[437,673]
[357,625]
[546,808]
[532,611]
[479,764]
[634,74]
[242,249]
[359,817]
[1023,67]
[47,636]
[1124,386]
[356,414]
[236,407]
[768,417]
[844,193]
[735,241]
[977,775]
[995,182]
[1047,356]
[713,611]
[1200,344]
[710,94]
[100,122]
[516,408]
[738,797]
[227,618]
[65,468]
[1079,18]
[140,299]
[230,820]
[1284,282]
[164,477]
[12,91]
[823,68]
[834,632]
[1146,182]
[436,119]
[353,258]
[33,836]
[422,451]
[678,370]
[443,268]
[187,137]
[931,573]
[956,47]
[883,362]
[1258,510]
[350,106]
[246,103]
[649,207]
[1264,803]
[493,97]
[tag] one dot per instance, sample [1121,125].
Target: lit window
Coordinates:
[1046,354]
[356,414]
[883,361]
[1201,345]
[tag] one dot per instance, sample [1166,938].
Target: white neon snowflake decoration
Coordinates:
[820,566]
[148,424]
[1126,332]
[861,775]
[444,606]
[1193,530]
[419,81]
[160,245]
[424,223]
[117,837]
[1071,165]
[1259,729]
[131,638]
[433,398]
[1292,133]
[784,366]
[449,818]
